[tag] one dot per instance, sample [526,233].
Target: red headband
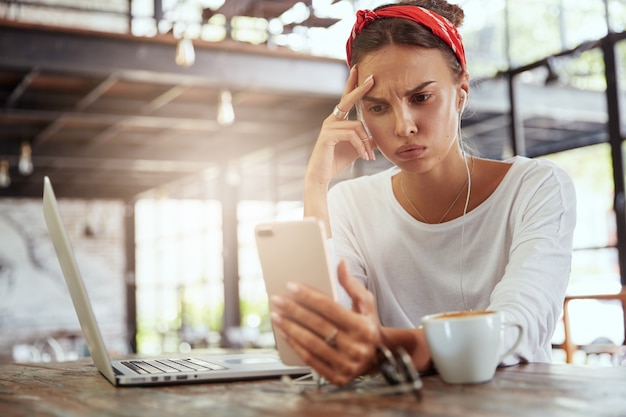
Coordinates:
[438,25]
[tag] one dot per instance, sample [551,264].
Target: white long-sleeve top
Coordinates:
[512,253]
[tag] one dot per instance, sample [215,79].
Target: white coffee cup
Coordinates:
[465,345]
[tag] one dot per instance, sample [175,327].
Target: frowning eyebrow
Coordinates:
[412,91]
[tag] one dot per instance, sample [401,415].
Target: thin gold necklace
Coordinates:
[451,205]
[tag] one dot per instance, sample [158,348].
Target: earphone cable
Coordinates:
[467,199]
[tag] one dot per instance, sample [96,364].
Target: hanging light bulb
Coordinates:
[25,165]
[5,178]
[225,111]
[185,54]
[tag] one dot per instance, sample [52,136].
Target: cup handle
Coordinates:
[520,335]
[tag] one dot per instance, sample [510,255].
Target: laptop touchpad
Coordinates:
[250,361]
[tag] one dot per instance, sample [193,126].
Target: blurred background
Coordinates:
[169,128]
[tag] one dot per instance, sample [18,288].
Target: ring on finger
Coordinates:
[340,114]
[331,338]
[366,139]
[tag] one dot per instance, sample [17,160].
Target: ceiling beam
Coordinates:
[230,65]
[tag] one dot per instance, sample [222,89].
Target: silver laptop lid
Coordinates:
[65,254]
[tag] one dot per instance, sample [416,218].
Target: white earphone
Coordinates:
[464,101]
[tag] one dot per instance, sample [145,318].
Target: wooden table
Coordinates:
[76,389]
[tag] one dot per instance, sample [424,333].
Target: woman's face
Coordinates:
[413,109]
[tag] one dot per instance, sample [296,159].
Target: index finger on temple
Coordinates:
[353,92]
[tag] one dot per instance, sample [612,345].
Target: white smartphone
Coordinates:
[294,251]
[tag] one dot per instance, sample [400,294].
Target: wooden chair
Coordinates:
[568,344]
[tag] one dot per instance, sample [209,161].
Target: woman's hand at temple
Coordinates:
[341,141]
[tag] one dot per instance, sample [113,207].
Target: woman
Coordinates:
[439,231]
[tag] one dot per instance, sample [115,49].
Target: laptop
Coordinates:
[136,371]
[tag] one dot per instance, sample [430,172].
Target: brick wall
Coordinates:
[34,302]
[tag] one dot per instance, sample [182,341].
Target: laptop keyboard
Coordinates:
[159,366]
